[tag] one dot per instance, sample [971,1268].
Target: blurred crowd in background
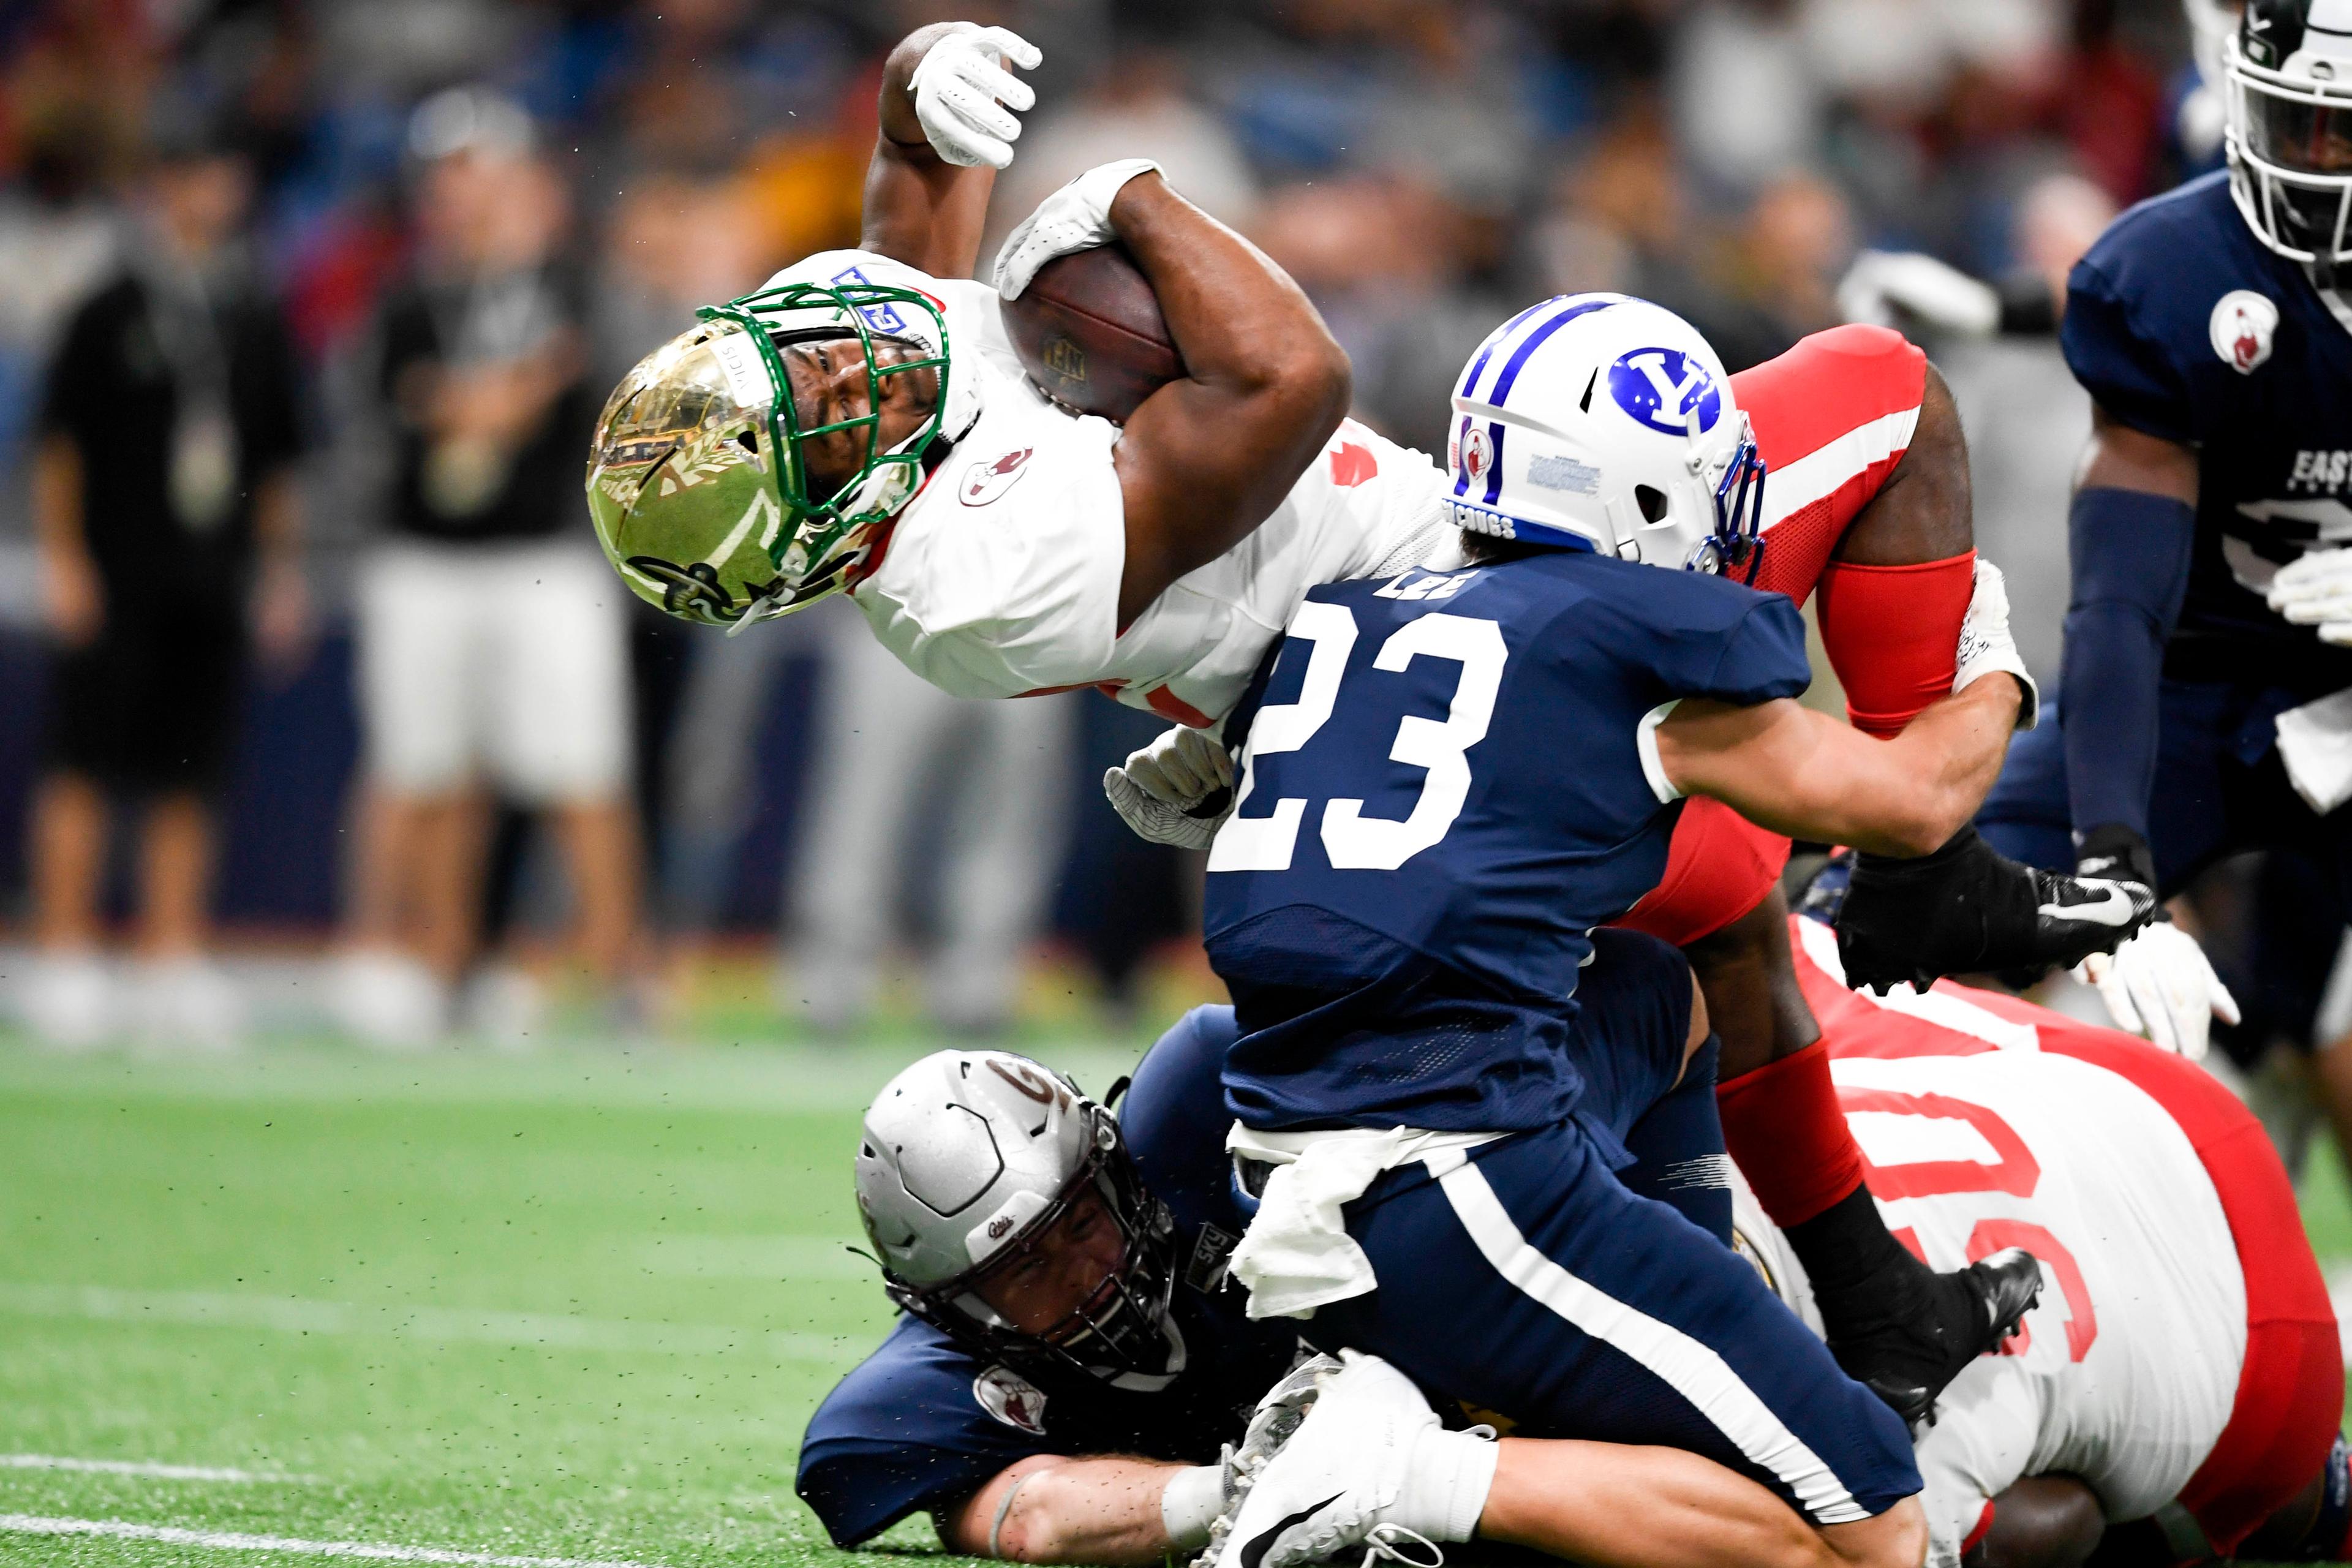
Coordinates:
[306,311]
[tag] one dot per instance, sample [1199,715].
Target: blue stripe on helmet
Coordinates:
[1534,340]
[1494,466]
[1462,478]
[1486,349]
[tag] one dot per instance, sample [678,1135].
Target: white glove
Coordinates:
[966,100]
[1986,648]
[1076,217]
[2315,590]
[1883,286]
[1162,785]
[2159,985]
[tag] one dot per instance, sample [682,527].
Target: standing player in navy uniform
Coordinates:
[1403,943]
[2211,542]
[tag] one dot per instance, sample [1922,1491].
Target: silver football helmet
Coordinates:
[2287,70]
[968,1159]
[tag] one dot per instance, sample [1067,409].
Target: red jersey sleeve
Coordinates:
[1832,417]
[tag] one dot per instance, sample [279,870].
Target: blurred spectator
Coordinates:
[1137,109]
[491,638]
[168,435]
[913,785]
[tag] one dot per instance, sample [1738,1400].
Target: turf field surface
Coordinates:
[454,1309]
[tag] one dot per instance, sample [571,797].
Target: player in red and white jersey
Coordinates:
[2184,1350]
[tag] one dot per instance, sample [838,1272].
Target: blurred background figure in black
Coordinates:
[167,517]
[491,642]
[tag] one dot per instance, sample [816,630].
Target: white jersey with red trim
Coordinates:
[1001,577]
[1974,1140]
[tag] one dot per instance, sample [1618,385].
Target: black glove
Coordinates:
[1967,909]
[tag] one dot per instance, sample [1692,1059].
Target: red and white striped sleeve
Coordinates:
[1833,418]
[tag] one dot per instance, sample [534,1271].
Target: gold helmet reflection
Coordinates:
[698,478]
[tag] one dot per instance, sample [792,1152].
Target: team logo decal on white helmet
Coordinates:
[1666,390]
[1603,422]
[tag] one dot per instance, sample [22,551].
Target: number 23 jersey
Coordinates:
[1447,780]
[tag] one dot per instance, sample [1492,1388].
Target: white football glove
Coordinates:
[965,100]
[1161,788]
[1076,217]
[2315,590]
[1883,286]
[2159,985]
[1986,648]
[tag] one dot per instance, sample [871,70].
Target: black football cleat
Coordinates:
[1908,1359]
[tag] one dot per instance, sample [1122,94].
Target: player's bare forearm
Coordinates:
[1799,773]
[1103,1509]
[1205,459]
[1925,510]
[1571,1500]
[1749,979]
[2042,1521]
[919,208]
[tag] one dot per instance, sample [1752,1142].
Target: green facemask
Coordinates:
[698,478]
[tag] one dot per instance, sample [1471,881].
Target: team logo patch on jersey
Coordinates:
[1663,388]
[1011,1399]
[2244,325]
[1353,465]
[984,481]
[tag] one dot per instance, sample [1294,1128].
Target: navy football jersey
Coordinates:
[2180,324]
[921,1424]
[1448,780]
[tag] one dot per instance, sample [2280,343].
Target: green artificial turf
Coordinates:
[578,1304]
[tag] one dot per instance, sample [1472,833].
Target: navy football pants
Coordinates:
[1582,1296]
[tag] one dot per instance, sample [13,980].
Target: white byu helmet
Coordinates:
[968,1159]
[2288,126]
[1603,422]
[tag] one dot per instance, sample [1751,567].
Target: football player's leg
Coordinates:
[1678,1149]
[1576,1309]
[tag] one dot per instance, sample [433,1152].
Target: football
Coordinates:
[1089,331]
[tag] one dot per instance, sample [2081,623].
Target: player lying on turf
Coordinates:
[1869,500]
[1071,1362]
[1027,1446]
[1049,552]
[2185,1349]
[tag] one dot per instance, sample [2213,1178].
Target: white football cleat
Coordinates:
[188,1003]
[1277,1416]
[388,1000]
[67,999]
[1331,1485]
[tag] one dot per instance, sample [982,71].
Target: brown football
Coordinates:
[1089,330]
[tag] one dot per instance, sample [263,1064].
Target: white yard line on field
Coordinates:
[297,1315]
[226,1540]
[147,1468]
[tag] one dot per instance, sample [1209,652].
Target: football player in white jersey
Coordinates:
[861,423]
[2178,1389]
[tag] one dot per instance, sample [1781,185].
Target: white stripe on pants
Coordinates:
[1683,1363]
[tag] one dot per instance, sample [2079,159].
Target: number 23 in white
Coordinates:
[1353,841]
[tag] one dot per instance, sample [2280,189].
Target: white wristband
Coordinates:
[1190,1505]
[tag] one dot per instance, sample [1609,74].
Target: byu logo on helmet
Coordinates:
[881,318]
[1662,388]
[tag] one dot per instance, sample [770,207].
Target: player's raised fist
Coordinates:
[967,103]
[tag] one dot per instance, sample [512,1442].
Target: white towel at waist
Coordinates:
[2314,741]
[1296,1255]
